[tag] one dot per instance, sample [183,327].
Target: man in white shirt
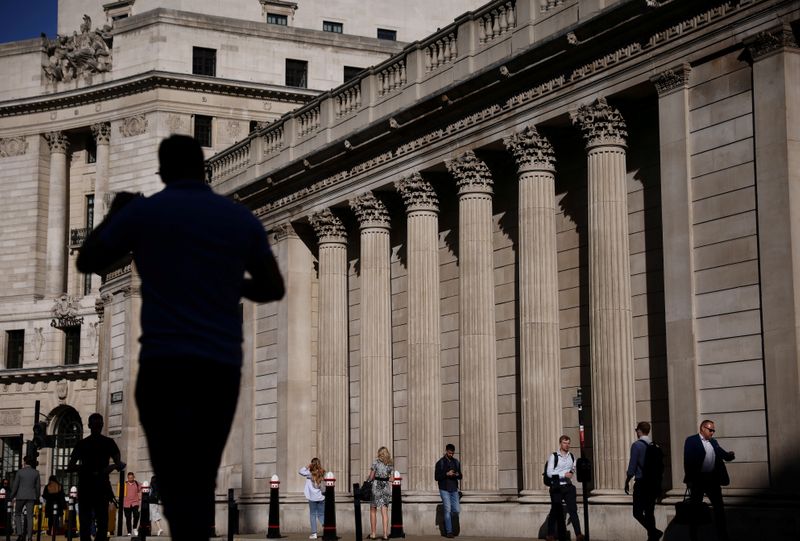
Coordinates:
[561,470]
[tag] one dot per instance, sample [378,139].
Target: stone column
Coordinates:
[676,222]
[540,355]
[610,322]
[333,404]
[102,134]
[476,329]
[376,328]
[57,216]
[424,341]
[776,112]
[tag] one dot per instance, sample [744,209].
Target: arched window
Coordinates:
[68,431]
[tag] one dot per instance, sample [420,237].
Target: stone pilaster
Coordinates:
[776,113]
[333,404]
[478,356]
[424,342]
[610,321]
[540,356]
[57,216]
[376,327]
[102,134]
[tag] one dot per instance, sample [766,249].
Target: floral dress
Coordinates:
[382,486]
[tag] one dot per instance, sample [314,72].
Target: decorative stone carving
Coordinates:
[600,123]
[531,150]
[234,129]
[772,40]
[11,417]
[101,132]
[65,312]
[671,80]
[61,390]
[57,141]
[38,341]
[69,57]
[100,304]
[370,211]
[174,123]
[94,332]
[283,231]
[13,146]
[133,125]
[417,193]
[471,173]
[327,225]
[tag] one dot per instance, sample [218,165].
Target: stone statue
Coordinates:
[68,57]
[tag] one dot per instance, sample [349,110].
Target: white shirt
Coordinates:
[708,461]
[565,465]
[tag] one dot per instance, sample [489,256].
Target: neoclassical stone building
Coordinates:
[542,205]
[81,117]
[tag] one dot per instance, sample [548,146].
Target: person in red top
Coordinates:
[133,498]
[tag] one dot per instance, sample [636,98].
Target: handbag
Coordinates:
[365,492]
[689,512]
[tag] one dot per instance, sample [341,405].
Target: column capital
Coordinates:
[58,141]
[471,173]
[283,231]
[370,211]
[101,132]
[531,150]
[600,123]
[671,80]
[770,41]
[328,227]
[417,193]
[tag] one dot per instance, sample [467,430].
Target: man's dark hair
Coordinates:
[450,447]
[643,427]
[180,157]
[95,417]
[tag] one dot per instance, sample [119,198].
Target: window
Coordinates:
[72,345]
[15,348]
[10,457]
[89,220]
[202,130]
[276,18]
[91,149]
[204,61]
[351,73]
[68,431]
[296,73]
[119,17]
[387,34]
[336,28]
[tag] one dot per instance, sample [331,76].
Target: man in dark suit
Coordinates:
[705,473]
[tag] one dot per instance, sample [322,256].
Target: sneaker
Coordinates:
[450,536]
[313,536]
[135,532]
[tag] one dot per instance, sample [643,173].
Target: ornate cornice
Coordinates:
[417,193]
[101,132]
[133,125]
[370,211]
[13,146]
[470,173]
[600,123]
[765,43]
[673,79]
[531,150]
[57,141]
[83,371]
[328,227]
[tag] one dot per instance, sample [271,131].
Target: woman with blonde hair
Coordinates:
[315,475]
[380,473]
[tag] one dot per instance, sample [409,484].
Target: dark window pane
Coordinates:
[387,34]
[329,26]
[351,72]
[10,457]
[15,348]
[72,345]
[91,149]
[204,61]
[274,18]
[296,73]
[202,130]
[68,431]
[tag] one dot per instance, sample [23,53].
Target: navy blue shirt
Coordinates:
[191,248]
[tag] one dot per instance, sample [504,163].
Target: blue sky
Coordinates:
[23,19]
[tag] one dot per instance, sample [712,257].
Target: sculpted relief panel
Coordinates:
[70,57]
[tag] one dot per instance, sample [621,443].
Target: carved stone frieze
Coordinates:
[101,132]
[671,80]
[133,125]
[13,146]
[769,41]
[65,312]
[57,141]
[69,57]
[471,173]
[327,226]
[417,193]
[11,417]
[370,211]
[234,129]
[600,123]
[175,123]
[283,231]
[531,150]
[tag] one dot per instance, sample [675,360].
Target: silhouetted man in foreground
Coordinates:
[191,248]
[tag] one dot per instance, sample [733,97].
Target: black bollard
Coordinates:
[5,513]
[274,517]
[357,509]
[144,514]
[233,516]
[53,522]
[584,470]
[71,515]
[329,527]
[120,500]
[40,520]
[397,507]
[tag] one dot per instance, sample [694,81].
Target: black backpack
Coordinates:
[548,481]
[653,469]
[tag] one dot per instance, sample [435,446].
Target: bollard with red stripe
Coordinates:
[274,520]
[4,522]
[397,506]
[329,527]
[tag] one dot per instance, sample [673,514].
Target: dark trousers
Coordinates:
[567,494]
[179,418]
[644,506]
[92,506]
[708,484]
[131,511]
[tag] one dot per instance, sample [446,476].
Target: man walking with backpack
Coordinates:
[558,474]
[646,466]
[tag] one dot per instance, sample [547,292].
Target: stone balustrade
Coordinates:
[347,100]
[497,21]
[232,162]
[308,121]
[272,140]
[392,77]
[440,52]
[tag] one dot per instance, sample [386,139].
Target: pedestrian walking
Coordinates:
[646,467]
[447,473]
[54,499]
[315,476]
[131,503]
[560,470]
[24,493]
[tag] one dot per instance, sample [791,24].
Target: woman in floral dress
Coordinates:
[381,474]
